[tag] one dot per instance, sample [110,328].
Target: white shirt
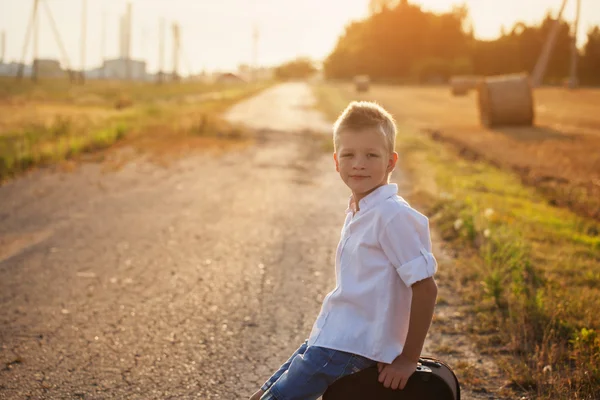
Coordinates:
[384,248]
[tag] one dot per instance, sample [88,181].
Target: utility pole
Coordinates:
[128,40]
[65,56]
[161,51]
[573,80]
[83,40]
[255,36]
[143,43]
[2,47]
[103,45]
[36,47]
[540,67]
[176,41]
[30,27]
[186,60]
[122,37]
[125,41]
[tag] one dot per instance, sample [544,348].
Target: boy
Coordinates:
[382,306]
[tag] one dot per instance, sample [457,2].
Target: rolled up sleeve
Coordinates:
[406,242]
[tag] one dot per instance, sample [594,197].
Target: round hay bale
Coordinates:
[506,100]
[361,83]
[461,84]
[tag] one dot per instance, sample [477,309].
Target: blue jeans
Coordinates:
[309,371]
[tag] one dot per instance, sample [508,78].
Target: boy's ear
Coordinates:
[392,161]
[337,163]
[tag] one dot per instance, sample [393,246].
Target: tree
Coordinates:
[392,43]
[300,68]
[399,42]
[590,61]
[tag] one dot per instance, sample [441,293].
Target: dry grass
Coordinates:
[54,121]
[530,269]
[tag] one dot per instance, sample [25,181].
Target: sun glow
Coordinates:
[218,34]
[490,16]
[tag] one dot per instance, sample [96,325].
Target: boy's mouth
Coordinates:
[359,176]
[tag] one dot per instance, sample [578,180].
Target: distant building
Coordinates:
[122,68]
[264,74]
[10,69]
[228,77]
[255,74]
[200,77]
[94,73]
[47,68]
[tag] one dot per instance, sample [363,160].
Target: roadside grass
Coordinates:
[43,126]
[106,93]
[530,270]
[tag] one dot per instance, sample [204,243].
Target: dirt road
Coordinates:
[189,281]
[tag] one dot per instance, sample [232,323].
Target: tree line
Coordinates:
[403,43]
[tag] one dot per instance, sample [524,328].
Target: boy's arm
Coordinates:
[396,374]
[424,293]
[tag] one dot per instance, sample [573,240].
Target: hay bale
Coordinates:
[461,84]
[506,100]
[361,83]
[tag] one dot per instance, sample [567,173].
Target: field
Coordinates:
[54,121]
[560,155]
[517,209]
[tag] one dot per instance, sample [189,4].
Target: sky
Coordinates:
[217,35]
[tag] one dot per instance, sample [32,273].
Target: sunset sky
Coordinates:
[218,34]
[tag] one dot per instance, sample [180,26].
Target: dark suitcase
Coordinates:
[433,380]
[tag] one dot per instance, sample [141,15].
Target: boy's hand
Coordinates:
[396,374]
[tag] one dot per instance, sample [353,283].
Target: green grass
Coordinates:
[21,151]
[531,270]
[537,270]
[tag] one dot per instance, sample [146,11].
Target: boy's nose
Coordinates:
[359,163]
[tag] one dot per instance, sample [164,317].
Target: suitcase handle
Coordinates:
[429,363]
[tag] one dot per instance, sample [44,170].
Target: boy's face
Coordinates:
[363,160]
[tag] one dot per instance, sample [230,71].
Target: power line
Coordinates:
[83,38]
[65,56]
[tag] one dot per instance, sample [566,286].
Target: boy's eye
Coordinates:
[372,155]
[346,155]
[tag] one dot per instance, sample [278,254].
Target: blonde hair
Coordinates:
[360,115]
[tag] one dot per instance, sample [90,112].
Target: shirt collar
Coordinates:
[376,196]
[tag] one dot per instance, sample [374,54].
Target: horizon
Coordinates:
[280,23]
